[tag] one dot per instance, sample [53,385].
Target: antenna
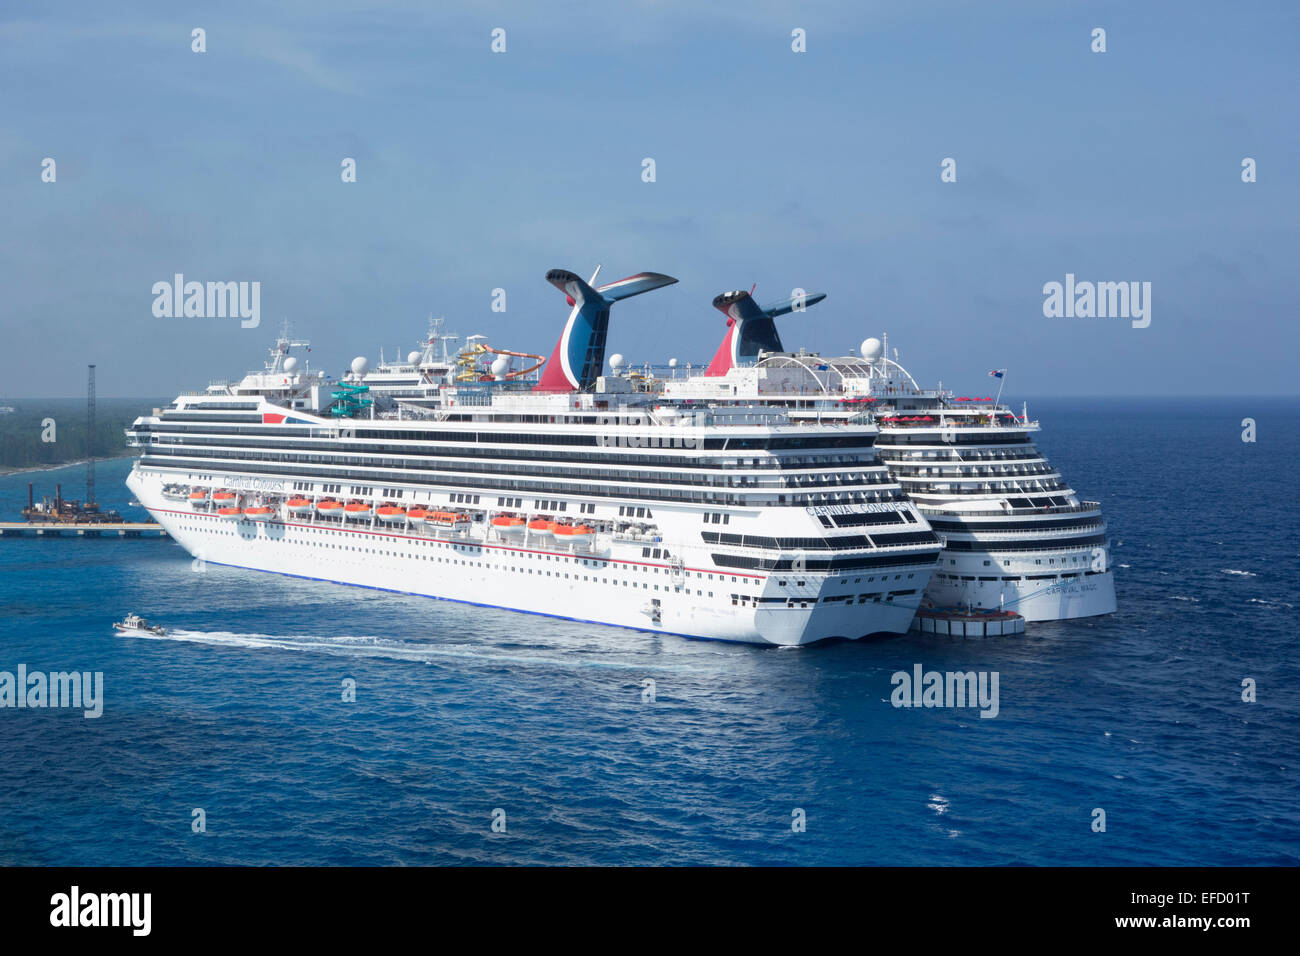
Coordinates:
[592,281]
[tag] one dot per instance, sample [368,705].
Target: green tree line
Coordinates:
[24,430]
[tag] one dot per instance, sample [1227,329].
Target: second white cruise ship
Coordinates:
[1016,536]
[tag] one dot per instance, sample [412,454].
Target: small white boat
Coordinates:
[134,624]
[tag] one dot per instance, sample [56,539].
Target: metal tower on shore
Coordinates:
[90,436]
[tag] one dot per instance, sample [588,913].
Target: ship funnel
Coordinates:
[750,328]
[578,356]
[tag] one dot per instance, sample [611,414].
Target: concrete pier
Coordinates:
[117,529]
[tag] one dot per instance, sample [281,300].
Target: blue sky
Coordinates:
[817,170]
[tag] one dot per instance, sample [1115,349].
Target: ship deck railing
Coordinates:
[1064,535]
[1062,545]
[937,511]
[927,471]
[953,425]
[946,488]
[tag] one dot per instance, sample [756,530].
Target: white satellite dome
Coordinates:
[672,363]
[616,361]
[412,357]
[500,365]
[360,365]
[290,365]
[872,349]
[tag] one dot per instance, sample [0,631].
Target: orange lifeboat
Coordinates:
[298,506]
[390,513]
[508,524]
[198,498]
[571,533]
[455,520]
[259,513]
[329,507]
[417,516]
[224,498]
[230,512]
[357,510]
[540,526]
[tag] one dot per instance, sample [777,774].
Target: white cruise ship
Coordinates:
[580,499]
[1016,535]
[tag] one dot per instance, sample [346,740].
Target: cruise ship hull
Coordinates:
[1086,596]
[538,578]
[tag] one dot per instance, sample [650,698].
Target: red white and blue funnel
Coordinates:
[750,328]
[580,353]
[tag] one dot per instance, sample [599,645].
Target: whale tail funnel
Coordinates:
[578,356]
[750,327]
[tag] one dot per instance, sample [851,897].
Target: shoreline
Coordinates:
[7,472]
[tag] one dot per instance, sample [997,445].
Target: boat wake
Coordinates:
[423,652]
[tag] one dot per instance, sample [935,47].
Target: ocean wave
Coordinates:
[1244,574]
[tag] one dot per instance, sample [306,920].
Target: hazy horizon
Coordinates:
[819,170]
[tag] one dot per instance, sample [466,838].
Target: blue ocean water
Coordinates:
[463,710]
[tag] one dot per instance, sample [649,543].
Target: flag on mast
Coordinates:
[999,374]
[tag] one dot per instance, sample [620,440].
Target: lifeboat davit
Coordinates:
[298,506]
[573,533]
[329,507]
[230,512]
[198,498]
[390,513]
[224,498]
[259,513]
[417,516]
[508,524]
[357,509]
[540,526]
